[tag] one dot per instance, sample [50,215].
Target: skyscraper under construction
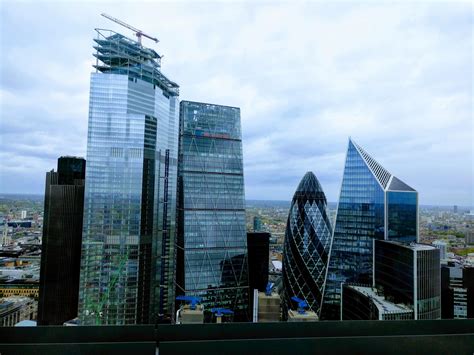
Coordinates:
[127,261]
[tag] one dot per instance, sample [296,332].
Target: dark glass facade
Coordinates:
[402,221]
[409,274]
[258,244]
[212,240]
[373,204]
[307,242]
[428,295]
[394,271]
[61,244]
[128,255]
[457,291]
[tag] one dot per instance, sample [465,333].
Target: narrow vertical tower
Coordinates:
[373,204]
[212,242]
[127,262]
[307,243]
[61,245]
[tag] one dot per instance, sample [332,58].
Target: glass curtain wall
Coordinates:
[129,219]
[212,242]
[307,242]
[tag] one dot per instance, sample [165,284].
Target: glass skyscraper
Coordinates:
[212,239]
[373,204]
[307,242]
[128,253]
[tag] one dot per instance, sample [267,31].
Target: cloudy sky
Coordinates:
[397,77]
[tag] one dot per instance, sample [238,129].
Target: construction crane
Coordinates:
[96,308]
[138,33]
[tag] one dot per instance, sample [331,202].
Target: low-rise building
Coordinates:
[16,309]
[361,302]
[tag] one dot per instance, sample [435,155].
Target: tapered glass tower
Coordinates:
[212,242]
[127,261]
[373,204]
[307,242]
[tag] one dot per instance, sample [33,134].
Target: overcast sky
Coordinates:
[398,78]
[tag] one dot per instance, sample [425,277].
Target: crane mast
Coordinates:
[138,32]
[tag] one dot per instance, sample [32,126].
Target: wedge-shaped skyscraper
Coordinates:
[307,243]
[373,204]
[127,261]
[212,241]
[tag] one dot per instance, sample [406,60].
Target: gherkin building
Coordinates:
[307,244]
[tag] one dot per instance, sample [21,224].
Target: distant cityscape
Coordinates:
[20,255]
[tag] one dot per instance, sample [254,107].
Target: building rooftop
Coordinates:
[117,54]
[412,246]
[382,304]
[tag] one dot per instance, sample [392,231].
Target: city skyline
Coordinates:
[415,121]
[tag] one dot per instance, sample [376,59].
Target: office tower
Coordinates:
[409,274]
[307,242]
[258,244]
[212,240]
[258,259]
[455,209]
[457,291]
[257,224]
[368,303]
[373,204]
[61,243]
[443,248]
[128,254]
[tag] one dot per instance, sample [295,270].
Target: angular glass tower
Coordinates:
[307,243]
[212,239]
[128,255]
[373,204]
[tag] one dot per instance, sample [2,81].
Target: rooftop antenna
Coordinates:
[138,32]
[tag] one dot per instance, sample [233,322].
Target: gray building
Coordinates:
[212,239]
[257,224]
[457,291]
[127,261]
